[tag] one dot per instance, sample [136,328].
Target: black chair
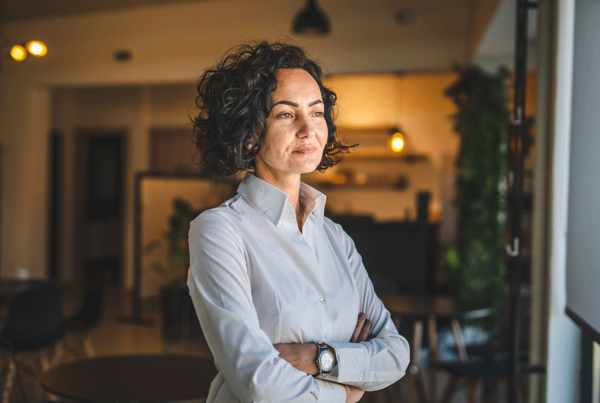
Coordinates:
[11,384]
[34,320]
[89,315]
[34,323]
[488,362]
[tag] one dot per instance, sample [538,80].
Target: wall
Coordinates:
[173,44]
[415,102]
[24,176]
[157,201]
[562,378]
[107,108]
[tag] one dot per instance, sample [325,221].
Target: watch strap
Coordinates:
[320,347]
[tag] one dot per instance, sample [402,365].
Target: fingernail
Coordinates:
[367,322]
[361,316]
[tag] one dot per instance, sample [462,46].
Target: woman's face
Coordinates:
[296,131]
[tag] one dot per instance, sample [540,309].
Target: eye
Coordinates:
[285,115]
[318,113]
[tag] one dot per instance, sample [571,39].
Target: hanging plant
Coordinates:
[476,262]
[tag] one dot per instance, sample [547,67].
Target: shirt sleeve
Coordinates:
[221,293]
[375,364]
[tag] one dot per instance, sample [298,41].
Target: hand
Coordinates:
[353,394]
[301,356]
[362,329]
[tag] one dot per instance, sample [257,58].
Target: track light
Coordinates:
[18,50]
[311,20]
[37,48]
[18,53]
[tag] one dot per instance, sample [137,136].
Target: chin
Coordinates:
[308,168]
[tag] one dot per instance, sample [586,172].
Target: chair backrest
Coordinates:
[91,308]
[35,319]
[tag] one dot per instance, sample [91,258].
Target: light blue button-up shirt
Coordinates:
[256,280]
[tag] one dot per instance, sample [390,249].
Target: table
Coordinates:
[136,378]
[430,307]
[10,288]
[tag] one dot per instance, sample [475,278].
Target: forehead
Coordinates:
[296,80]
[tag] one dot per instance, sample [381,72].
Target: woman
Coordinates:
[277,286]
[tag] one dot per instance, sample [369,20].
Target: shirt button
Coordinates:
[320,298]
[326,335]
[360,377]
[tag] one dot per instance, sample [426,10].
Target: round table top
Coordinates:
[439,306]
[10,288]
[140,378]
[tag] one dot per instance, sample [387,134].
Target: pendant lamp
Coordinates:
[311,20]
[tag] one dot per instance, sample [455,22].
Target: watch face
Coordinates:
[326,360]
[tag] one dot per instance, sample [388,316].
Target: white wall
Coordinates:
[24,175]
[562,378]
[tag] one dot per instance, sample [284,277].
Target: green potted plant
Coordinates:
[174,292]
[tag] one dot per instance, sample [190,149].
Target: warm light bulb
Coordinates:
[18,53]
[397,143]
[37,48]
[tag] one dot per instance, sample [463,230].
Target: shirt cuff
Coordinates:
[352,362]
[331,392]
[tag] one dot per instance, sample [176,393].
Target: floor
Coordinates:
[116,336]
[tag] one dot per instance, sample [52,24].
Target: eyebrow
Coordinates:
[296,105]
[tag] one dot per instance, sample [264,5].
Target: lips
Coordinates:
[305,150]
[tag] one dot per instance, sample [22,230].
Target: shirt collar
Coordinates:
[270,200]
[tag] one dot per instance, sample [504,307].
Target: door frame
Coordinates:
[82,136]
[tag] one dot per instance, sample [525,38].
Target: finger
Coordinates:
[364,333]
[359,325]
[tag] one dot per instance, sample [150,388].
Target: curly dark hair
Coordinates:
[234,101]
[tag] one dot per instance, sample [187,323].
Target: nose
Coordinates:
[306,127]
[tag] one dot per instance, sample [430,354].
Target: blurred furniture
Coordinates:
[488,363]
[89,315]
[33,325]
[11,288]
[430,308]
[402,252]
[11,384]
[488,372]
[138,378]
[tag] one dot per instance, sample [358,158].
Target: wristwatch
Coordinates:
[325,360]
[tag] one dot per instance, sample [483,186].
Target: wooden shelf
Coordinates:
[321,185]
[408,158]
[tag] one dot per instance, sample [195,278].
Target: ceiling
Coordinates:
[365,35]
[15,10]
[497,46]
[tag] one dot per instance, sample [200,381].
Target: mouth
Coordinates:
[307,150]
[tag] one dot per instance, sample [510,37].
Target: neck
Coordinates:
[286,182]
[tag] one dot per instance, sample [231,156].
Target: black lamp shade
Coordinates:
[311,20]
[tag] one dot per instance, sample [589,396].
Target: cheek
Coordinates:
[271,150]
[323,134]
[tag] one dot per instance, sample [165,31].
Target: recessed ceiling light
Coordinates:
[405,16]
[123,55]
